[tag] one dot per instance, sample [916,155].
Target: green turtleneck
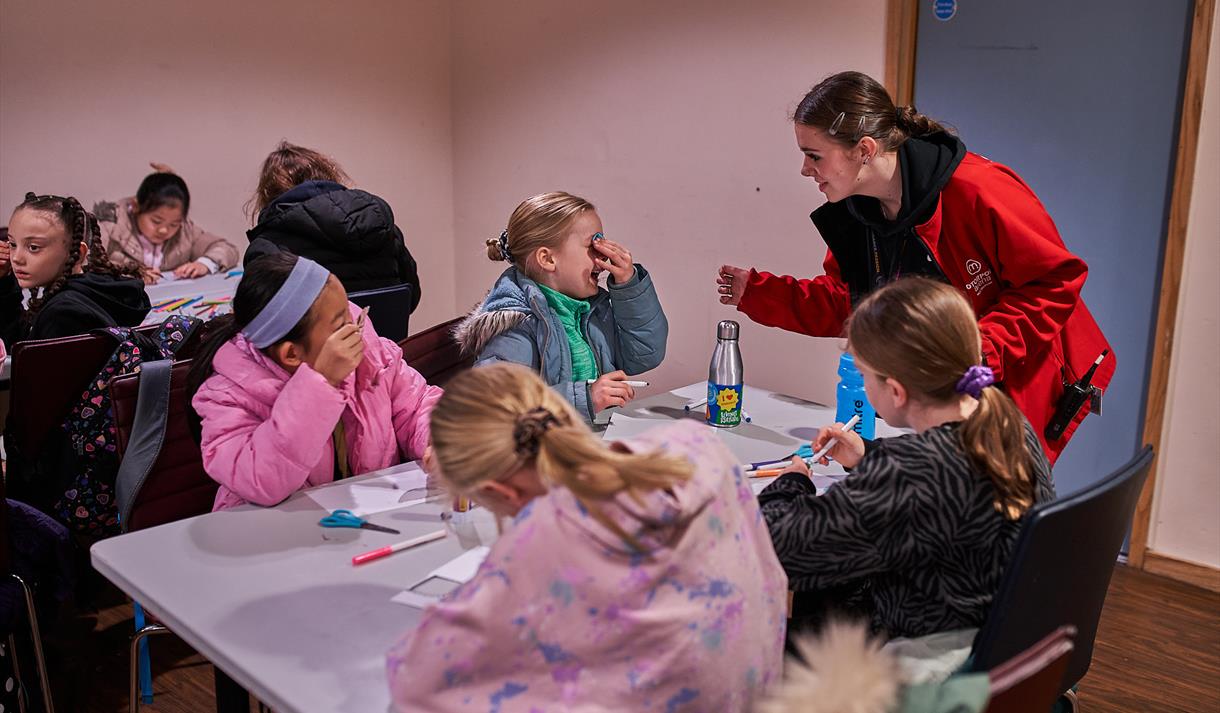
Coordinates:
[571,313]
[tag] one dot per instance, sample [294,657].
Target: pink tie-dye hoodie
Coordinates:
[565,616]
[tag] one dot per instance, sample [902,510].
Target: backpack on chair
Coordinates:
[82,496]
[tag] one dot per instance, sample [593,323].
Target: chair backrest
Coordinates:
[6,560]
[177,487]
[1031,680]
[389,309]
[1060,570]
[47,378]
[435,354]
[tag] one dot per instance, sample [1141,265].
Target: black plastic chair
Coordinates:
[1060,571]
[389,309]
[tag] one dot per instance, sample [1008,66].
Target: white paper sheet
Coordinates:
[459,570]
[399,488]
[462,569]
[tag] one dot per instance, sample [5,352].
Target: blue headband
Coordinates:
[289,305]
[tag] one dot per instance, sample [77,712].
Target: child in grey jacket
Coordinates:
[548,311]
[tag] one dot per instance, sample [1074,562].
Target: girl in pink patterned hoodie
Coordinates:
[295,389]
[635,576]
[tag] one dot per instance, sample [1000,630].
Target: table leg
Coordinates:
[230,697]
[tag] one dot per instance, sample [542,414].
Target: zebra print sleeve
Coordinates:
[859,527]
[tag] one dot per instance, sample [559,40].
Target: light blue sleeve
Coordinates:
[640,327]
[518,347]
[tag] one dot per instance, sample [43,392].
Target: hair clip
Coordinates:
[834,125]
[504,253]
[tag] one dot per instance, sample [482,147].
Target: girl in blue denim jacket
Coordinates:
[548,311]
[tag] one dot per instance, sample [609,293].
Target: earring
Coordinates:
[865,160]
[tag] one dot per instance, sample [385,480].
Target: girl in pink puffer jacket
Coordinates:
[295,389]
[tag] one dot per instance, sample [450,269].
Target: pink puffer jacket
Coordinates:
[267,433]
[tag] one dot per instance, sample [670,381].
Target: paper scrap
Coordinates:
[399,488]
[459,570]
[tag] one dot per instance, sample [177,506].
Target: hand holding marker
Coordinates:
[816,457]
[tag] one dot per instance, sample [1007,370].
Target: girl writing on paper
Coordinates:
[634,575]
[917,537]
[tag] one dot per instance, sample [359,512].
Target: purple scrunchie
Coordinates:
[975,380]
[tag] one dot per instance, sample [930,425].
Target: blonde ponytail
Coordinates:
[540,221]
[495,420]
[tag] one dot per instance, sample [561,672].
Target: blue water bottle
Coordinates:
[851,400]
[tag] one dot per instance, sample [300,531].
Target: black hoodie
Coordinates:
[872,251]
[86,302]
[348,231]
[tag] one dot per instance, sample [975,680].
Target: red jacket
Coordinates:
[994,241]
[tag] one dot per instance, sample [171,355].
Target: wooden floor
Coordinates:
[1157,649]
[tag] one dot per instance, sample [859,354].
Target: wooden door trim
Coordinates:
[1171,267]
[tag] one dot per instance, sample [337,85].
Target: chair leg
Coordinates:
[144,660]
[136,642]
[36,635]
[21,694]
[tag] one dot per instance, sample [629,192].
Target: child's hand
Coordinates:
[191,270]
[160,167]
[5,265]
[848,448]
[797,466]
[609,390]
[340,355]
[616,260]
[428,461]
[732,281]
[150,275]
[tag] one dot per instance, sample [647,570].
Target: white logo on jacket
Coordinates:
[982,278]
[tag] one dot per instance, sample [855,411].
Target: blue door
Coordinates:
[1081,99]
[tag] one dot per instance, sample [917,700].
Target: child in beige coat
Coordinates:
[151,231]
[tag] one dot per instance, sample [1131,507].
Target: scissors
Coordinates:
[346,518]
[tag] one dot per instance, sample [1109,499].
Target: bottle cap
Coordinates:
[727,329]
[847,368]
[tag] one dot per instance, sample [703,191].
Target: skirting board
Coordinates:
[1197,574]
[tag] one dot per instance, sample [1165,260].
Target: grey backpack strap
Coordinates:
[147,435]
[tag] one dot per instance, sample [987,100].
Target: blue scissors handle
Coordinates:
[346,518]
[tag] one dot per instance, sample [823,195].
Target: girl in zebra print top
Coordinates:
[918,535]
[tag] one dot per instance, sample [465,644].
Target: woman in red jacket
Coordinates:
[905,197]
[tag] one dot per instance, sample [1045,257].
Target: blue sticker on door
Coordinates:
[944,10]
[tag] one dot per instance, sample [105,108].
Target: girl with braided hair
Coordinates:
[635,575]
[55,251]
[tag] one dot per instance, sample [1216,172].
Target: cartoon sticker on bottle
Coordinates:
[723,404]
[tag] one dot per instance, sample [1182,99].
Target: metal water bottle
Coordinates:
[725,378]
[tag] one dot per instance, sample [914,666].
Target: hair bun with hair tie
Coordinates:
[528,430]
[975,380]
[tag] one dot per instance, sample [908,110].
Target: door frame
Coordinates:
[902,23]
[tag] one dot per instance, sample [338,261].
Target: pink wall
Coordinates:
[672,118]
[1186,511]
[90,92]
